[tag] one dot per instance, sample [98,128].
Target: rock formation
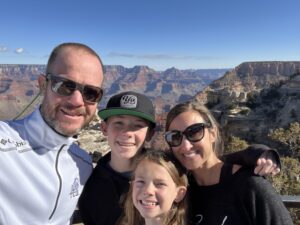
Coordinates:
[254,98]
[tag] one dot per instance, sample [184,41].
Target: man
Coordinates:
[42,171]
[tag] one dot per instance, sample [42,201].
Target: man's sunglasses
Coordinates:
[193,133]
[66,87]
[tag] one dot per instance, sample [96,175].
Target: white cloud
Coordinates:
[161,56]
[19,50]
[3,49]
[118,54]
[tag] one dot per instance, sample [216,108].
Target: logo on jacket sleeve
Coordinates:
[8,145]
[74,189]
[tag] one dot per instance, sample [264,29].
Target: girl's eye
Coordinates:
[161,184]
[138,183]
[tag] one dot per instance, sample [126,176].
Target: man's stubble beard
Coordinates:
[56,124]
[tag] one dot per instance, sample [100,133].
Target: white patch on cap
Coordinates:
[129,101]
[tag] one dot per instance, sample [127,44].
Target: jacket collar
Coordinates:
[41,135]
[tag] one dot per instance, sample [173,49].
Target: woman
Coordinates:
[219,193]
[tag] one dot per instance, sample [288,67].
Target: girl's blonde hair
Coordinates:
[177,214]
[218,145]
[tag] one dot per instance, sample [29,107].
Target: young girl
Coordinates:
[219,193]
[157,191]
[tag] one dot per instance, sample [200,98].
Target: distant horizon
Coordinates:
[224,68]
[37,64]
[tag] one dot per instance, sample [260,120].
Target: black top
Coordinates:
[238,199]
[100,201]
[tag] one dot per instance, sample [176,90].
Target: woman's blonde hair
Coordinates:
[177,214]
[218,145]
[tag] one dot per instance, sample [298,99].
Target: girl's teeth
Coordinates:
[146,203]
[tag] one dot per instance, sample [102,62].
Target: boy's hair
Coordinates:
[129,103]
[177,214]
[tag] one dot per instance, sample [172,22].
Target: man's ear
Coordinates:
[181,192]
[150,134]
[103,126]
[42,83]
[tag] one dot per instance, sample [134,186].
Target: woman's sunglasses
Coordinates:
[193,133]
[66,87]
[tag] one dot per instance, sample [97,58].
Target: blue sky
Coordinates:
[158,33]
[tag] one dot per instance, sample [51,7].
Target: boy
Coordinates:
[128,121]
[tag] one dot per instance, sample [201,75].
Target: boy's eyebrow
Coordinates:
[138,118]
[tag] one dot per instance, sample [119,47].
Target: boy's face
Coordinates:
[125,134]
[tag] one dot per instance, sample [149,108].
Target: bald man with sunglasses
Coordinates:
[42,171]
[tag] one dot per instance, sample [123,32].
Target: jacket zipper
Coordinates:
[60,181]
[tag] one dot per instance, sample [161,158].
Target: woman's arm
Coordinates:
[265,159]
